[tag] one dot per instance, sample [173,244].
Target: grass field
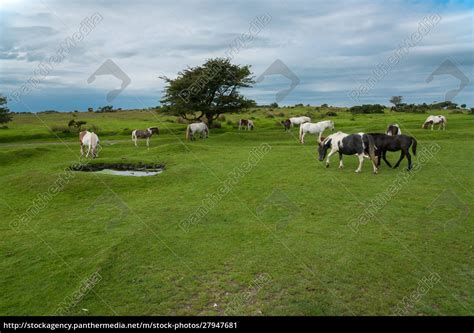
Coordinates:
[279,242]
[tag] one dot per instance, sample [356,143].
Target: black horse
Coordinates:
[384,143]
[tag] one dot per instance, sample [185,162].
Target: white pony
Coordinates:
[433,120]
[299,120]
[197,128]
[317,128]
[91,141]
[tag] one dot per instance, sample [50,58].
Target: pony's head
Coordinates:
[154,130]
[323,147]
[426,124]
[331,125]
[286,123]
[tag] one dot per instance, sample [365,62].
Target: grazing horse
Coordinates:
[384,143]
[317,128]
[393,129]
[146,134]
[359,144]
[295,121]
[91,141]
[246,123]
[197,128]
[433,120]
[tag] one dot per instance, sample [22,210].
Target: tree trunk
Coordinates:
[209,119]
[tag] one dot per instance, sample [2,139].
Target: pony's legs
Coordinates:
[82,150]
[384,156]
[332,152]
[409,160]
[361,161]
[402,155]
[341,165]
[302,137]
[148,142]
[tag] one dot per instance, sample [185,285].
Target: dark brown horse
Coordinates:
[384,143]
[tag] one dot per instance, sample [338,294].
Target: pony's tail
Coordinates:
[134,135]
[413,147]
[187,132]
[372,156]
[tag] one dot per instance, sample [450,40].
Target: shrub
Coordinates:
[4,127]
[333,114]
[181,120]
[221,117]
[216,124]
[229,122]
[269,115]
[94,128]
[367,108]
[60,129]
[280,114]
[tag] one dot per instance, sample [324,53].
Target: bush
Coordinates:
[221,117]
[216,124]
[269,115]
[456,112]
[94,128]
[229,122]
[60,129]
[280,114]
[367,108]
[181,120]
[333,114]
[4,127]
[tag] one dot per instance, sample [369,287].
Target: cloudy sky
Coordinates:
[332,47]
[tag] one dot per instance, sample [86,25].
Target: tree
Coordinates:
[396,101]
[5,115]
[208,90]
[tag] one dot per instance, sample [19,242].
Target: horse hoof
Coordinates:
[327,165]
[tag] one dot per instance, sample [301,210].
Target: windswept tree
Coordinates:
[208,90]
[396,101]
[5,115]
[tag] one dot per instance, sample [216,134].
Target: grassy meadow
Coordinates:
[279,242]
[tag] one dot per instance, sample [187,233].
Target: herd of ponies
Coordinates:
[373,146]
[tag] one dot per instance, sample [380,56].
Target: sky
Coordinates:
[342,53]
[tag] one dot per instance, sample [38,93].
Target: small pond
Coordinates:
[121,169]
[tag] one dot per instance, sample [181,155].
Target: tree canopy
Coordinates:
[5,115]
[208,90]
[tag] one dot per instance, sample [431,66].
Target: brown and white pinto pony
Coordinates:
[144,134]
[435,120]
[246,124]
[393,129]
[91,141]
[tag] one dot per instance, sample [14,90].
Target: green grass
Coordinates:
[127,228]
